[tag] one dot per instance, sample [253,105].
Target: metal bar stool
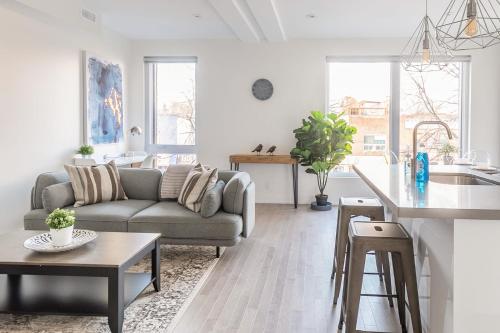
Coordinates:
[383,237]
[348,208]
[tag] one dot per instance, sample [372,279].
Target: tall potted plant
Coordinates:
[323,141]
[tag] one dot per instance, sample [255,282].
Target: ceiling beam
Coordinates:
[267,16]
[235,17]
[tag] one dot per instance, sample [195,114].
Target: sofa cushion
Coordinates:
[105,216]
[212,200]
[44,180]
[94,184]
[232,198]
[173,179]
[174,221]
[58,196]
[140,184]
[197,182]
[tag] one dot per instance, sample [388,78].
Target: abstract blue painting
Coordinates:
[104,102]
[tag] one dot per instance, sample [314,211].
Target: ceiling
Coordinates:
[263,20]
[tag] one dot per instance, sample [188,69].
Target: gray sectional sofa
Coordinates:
[144,212]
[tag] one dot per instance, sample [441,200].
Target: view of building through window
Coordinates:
[174,109]
[362,92]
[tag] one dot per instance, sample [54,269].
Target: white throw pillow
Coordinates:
[172,180]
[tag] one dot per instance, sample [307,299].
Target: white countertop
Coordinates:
[437,200]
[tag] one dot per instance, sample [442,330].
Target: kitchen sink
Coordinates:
[459,179]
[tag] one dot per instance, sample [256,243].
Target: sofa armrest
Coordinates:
[248,210]
[32,201]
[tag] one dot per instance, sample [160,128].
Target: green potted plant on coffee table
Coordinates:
[61,223]
[323,141]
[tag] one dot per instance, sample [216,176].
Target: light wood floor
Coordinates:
[278,280]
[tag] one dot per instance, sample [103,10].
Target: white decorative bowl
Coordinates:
[44,243]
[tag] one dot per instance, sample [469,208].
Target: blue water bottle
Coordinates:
[422,168]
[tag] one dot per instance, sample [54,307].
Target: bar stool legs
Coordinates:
[349,207]
[340,246]
[379,237]
[354,284]
[400,288]
[410,278]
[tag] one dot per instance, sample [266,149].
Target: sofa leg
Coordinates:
[217,251]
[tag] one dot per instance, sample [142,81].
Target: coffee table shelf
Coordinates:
[75,295]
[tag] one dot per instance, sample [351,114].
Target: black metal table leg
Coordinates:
[115,300]
[295,176]
[237,166]
[155,266]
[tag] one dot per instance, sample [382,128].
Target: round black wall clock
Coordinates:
[262,89]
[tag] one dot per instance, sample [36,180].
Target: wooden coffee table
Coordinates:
[90,280]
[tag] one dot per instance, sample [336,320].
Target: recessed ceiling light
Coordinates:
[198,16]
[311,15]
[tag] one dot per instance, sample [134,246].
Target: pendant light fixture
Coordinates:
[423,53]
[470,24]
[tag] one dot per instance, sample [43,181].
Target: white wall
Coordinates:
[485,102]
[230,120]
[41,98]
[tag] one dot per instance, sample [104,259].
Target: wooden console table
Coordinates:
[235,161]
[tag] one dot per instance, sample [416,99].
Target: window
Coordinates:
[384,102]
[374,143]
[361,92]
[171,109]
[431,96]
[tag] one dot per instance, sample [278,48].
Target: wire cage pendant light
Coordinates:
[423,52]
[469,24]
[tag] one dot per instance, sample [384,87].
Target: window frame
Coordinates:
[150,91]
[395,99]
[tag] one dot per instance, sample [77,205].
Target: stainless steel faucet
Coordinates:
[415,130]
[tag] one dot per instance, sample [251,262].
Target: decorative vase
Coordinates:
[62,237]
[447,160]
[321,199]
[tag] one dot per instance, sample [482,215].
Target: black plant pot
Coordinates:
[321,199]
[321,203]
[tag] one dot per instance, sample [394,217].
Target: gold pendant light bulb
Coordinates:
[426,50]
[426,56]
[472,27]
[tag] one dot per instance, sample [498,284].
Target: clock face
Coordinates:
[262,89]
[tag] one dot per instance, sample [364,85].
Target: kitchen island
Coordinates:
[455,224]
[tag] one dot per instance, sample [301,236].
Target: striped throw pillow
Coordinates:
[173,179]
[93,184]
[197,182]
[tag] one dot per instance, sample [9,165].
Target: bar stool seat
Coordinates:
[386,237]
[350,207]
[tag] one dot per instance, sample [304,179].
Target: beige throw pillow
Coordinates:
[173,179]
[197,182]
[93,184]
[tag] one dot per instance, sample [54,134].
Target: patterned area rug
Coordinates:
[183,270]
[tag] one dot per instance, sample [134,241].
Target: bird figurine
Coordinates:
[258,149]
[271,150]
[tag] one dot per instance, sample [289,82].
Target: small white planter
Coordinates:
[62,237]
